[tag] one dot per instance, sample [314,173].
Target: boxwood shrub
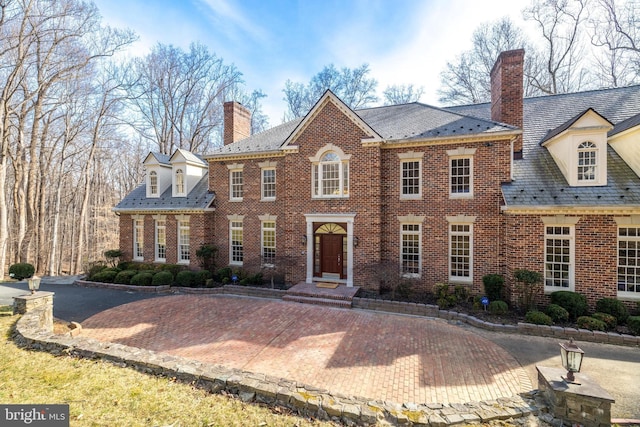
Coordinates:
[498,307]
[573,302]
[538,318]
[557,313]
[614,307]
[201,277]
[162,278]
[21,271]
[633,323]
[144,278]
[591,323]
[608,319]
[185,278]
[106,276]
[124,277]
[493,286]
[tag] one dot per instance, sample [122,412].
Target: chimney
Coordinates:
[507,92]
[237,122]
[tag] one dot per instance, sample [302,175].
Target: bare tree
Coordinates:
[401,94]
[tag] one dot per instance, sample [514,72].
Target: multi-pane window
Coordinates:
[236,184]
[236,249]
[629,260]
[184,236]
[268,184]
[161,240]
[410,179]
[138,239]
[460,252]
[460,176]
[587,161]
[153,183]
[410,254]
[268,243]
[180,182]
[558,266]
[331,176]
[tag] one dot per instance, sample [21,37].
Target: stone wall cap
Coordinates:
[37,295]
[586,388]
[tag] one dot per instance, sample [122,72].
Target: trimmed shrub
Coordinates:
[94,269]
[633,323]
[174,269]
[142,279]
[538,318]
[607,318]
[185,278]
[557,313]
[498,307]
[124,277]
[201,277]
[591,323]
[614,307]
[573,302]
[21,271]
[224,273]
[105,276]
[493,286]
[113,256]
[162,278]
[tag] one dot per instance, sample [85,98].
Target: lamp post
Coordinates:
[34,284]
[571,356]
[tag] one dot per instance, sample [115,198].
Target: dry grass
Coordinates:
[101,394]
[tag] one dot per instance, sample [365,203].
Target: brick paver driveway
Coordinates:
[353,352]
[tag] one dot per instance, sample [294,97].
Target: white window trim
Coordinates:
[461,220]
[235,167]
[343,167]
[232,219]
[411,220]
[626,222]
[178,193]
[181,219]
[263,220]
[411,156]
[561,221]
[150,186]
[157,219]
[136,237]
[262,196]
[461,153]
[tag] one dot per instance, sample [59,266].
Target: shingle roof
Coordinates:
[537,179]
[199,198]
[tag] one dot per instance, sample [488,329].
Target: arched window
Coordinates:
[179,182]
[331,175]
[587,161]
[153,183]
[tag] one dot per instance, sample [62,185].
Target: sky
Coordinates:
[270,41]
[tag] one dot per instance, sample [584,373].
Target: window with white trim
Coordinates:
[460,176]
[236,184]
[161,240]
[268,243]
[184,238]
[153,183]
[236,248]
[559,257]
[411,179]
[460,252]
[180,182]
[138,239]
[587,162]
[268,183]
[411,249]
[331,176]
[629,261]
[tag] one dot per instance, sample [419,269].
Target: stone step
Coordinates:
[320,294]
[332,302]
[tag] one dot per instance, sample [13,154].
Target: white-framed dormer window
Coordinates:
[330,173]
[461,248]
[410,175]
[236,239]
[587,162]
[180,189]
[236,182]
[184,239]
[461,172]
[559,253]
[153,184]
[138,237]
[629,257]
[160,238]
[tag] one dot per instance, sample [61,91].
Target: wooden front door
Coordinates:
[331,255]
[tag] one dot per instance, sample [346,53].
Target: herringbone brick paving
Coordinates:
[352,352]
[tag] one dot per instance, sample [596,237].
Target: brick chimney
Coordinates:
[507,92]
[237,122]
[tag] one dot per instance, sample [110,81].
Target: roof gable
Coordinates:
[589,119]
[156,159]
[184,156]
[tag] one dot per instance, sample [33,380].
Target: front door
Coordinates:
[331,255]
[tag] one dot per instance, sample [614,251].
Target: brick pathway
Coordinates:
[358,353]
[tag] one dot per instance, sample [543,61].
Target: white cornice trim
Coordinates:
[243,156]
[569,210]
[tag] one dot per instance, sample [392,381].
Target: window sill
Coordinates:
[139,259]
[411,197]
[236,200]
[461,280]
[548,290]
[237,263]
[629,296]
[329,197]
[268,199]
[461,195]
[187,262]
[160,260]
[411,275]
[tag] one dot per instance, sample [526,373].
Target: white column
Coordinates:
[310,242]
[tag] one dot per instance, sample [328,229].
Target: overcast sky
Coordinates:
[270,41]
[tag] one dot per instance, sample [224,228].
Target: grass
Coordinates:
[102,394]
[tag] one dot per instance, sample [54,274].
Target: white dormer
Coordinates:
[158,177]
[625,139]
[579,148]
[186,171]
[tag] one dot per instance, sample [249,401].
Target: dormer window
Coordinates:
[153,183]
[587,161]
[180,182]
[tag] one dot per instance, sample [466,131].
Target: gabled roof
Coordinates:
[159,158]
[198,199]
[625,125]
[189,157]
[569,123]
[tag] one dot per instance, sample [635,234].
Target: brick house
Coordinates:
[441,195]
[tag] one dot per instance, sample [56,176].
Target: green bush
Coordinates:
[493,286]
[201,277]
[206,255]
[105,276]
[162,278]
[21,271]
[113,256]
[174,269]
[124,277]
[461,292]
[573,302]
[614,307]
[498,307]
[590,323]
[557,313]
[142,279]
[538,318]
[447,302]
[185,278]
[94,269]
[607,318]
[633,323]
[224,273]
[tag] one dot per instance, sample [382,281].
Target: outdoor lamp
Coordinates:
[34,284]
[304,240]
[571,356]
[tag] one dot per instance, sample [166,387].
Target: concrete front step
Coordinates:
[321,295]
[318,301]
